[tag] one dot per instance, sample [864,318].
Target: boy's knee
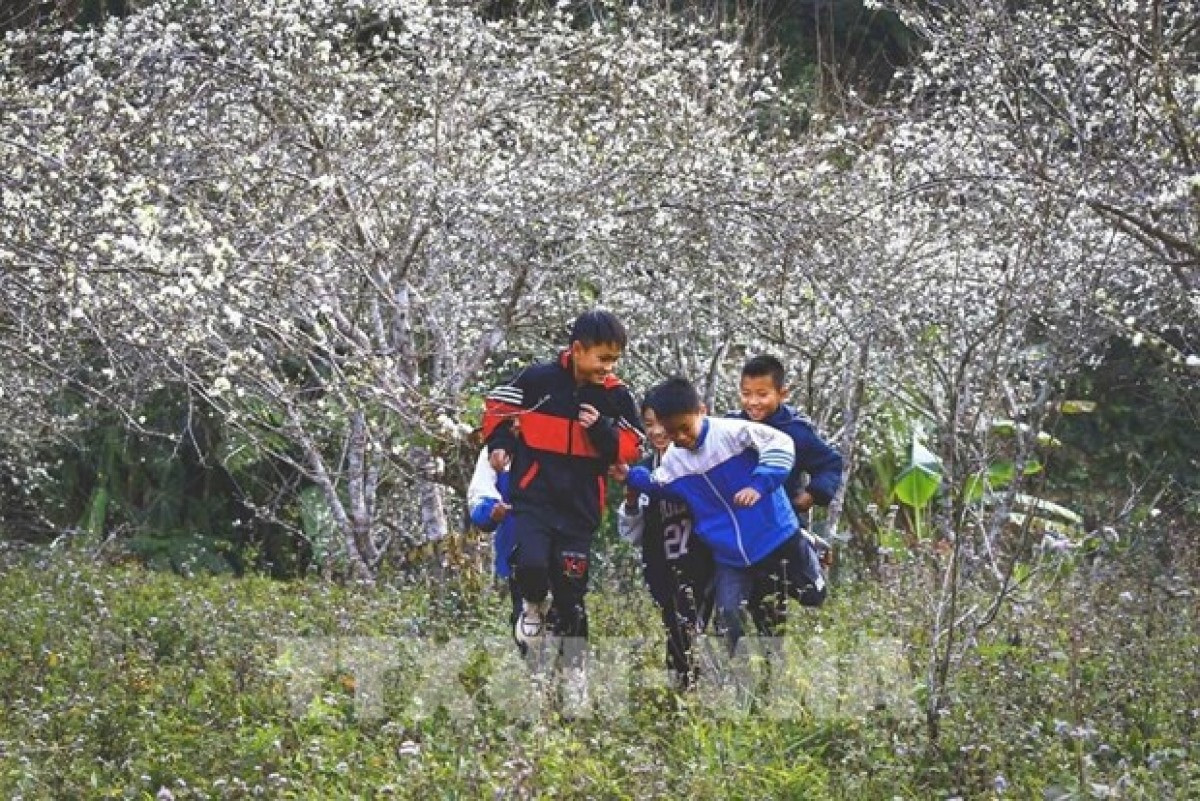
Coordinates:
[571,578]
[532,581]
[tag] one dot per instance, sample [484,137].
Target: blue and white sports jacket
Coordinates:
[730,455]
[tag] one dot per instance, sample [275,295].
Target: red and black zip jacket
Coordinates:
[558,467]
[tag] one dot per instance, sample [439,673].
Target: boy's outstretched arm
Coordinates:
[776,455]
[484,496]
[640,479]
[822,463]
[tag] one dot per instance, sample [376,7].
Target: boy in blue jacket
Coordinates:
[488,502]
[762,394]
[732,473]
[816,474]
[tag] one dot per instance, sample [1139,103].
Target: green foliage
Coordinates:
[176,490]
[1143,432]
[858,46]
[917,485]
[115,681]
[318,524]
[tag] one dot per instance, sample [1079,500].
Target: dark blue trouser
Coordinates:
[793,570]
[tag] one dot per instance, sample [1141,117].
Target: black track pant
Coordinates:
[549,558]
[682,590]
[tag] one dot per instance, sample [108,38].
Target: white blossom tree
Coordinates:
[1041,156]
[335,222]
[324,219]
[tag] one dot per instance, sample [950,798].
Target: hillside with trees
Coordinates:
[260,262]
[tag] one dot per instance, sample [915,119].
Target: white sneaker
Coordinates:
[531,623]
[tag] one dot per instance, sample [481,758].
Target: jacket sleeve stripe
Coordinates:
[507,394]
[776,459]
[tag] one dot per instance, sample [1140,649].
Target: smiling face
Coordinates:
[591,364]
[684,429]
[761,397]
[655,432]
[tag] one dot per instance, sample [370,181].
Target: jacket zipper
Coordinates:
[571,422]
[737,529]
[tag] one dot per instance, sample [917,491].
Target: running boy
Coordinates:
[816,474]
[762,393]
[676,565]
[731,473]
[576,419]
[488,502]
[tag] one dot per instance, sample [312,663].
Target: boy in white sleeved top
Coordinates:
[676,564]
[487,501]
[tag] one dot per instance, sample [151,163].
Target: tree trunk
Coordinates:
[431,497]
[853,390]
[360,567]
[360,518]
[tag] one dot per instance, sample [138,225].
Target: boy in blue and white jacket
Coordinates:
[731,474]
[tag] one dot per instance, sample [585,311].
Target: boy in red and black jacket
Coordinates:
[576,420]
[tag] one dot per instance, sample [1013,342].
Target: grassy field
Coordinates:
[116,682]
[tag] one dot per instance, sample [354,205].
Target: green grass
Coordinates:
[116,681]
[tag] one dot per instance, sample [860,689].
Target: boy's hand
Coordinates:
[747,497]
[803,502]
[619,472]
[498,459]
[499,511]
[588,414]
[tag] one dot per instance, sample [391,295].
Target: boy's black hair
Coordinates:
[648,402]
[598,327]
[764,364]
[674,396]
